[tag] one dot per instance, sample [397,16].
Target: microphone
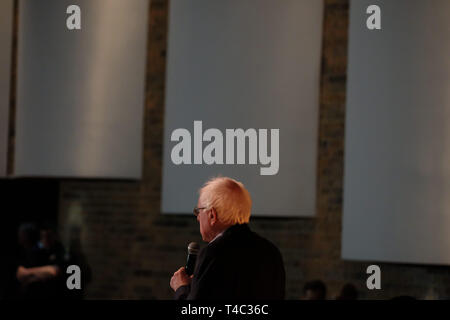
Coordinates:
[193,249]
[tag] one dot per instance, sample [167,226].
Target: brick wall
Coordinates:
[133,250]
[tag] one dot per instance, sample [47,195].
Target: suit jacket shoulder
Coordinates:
[238,265]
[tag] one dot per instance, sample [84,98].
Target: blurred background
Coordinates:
[84,135]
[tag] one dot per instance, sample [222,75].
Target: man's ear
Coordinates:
[213,216]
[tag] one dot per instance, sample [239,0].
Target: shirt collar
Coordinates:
[219,235]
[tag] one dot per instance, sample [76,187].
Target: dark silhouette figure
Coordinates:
[348,292]
[315,290]
[38,268]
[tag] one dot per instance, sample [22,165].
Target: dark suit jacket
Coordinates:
[237,265]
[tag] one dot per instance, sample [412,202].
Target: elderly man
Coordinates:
[237,263]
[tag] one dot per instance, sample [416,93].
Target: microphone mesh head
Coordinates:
[193,248]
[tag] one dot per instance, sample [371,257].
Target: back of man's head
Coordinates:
[28,234]
[315,290]
[348,292]
[229,198]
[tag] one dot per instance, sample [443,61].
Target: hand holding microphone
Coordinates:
[184,275]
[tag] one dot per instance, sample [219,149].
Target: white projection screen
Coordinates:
[251,64]
[81,93]
[397,147]
[6,23]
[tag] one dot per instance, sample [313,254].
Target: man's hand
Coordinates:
[180,278]
[23,275]
[30,275]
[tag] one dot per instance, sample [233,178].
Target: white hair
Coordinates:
[229,198]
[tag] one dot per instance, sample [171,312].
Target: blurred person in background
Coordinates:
[315,290]
[348,292]
[39,263]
